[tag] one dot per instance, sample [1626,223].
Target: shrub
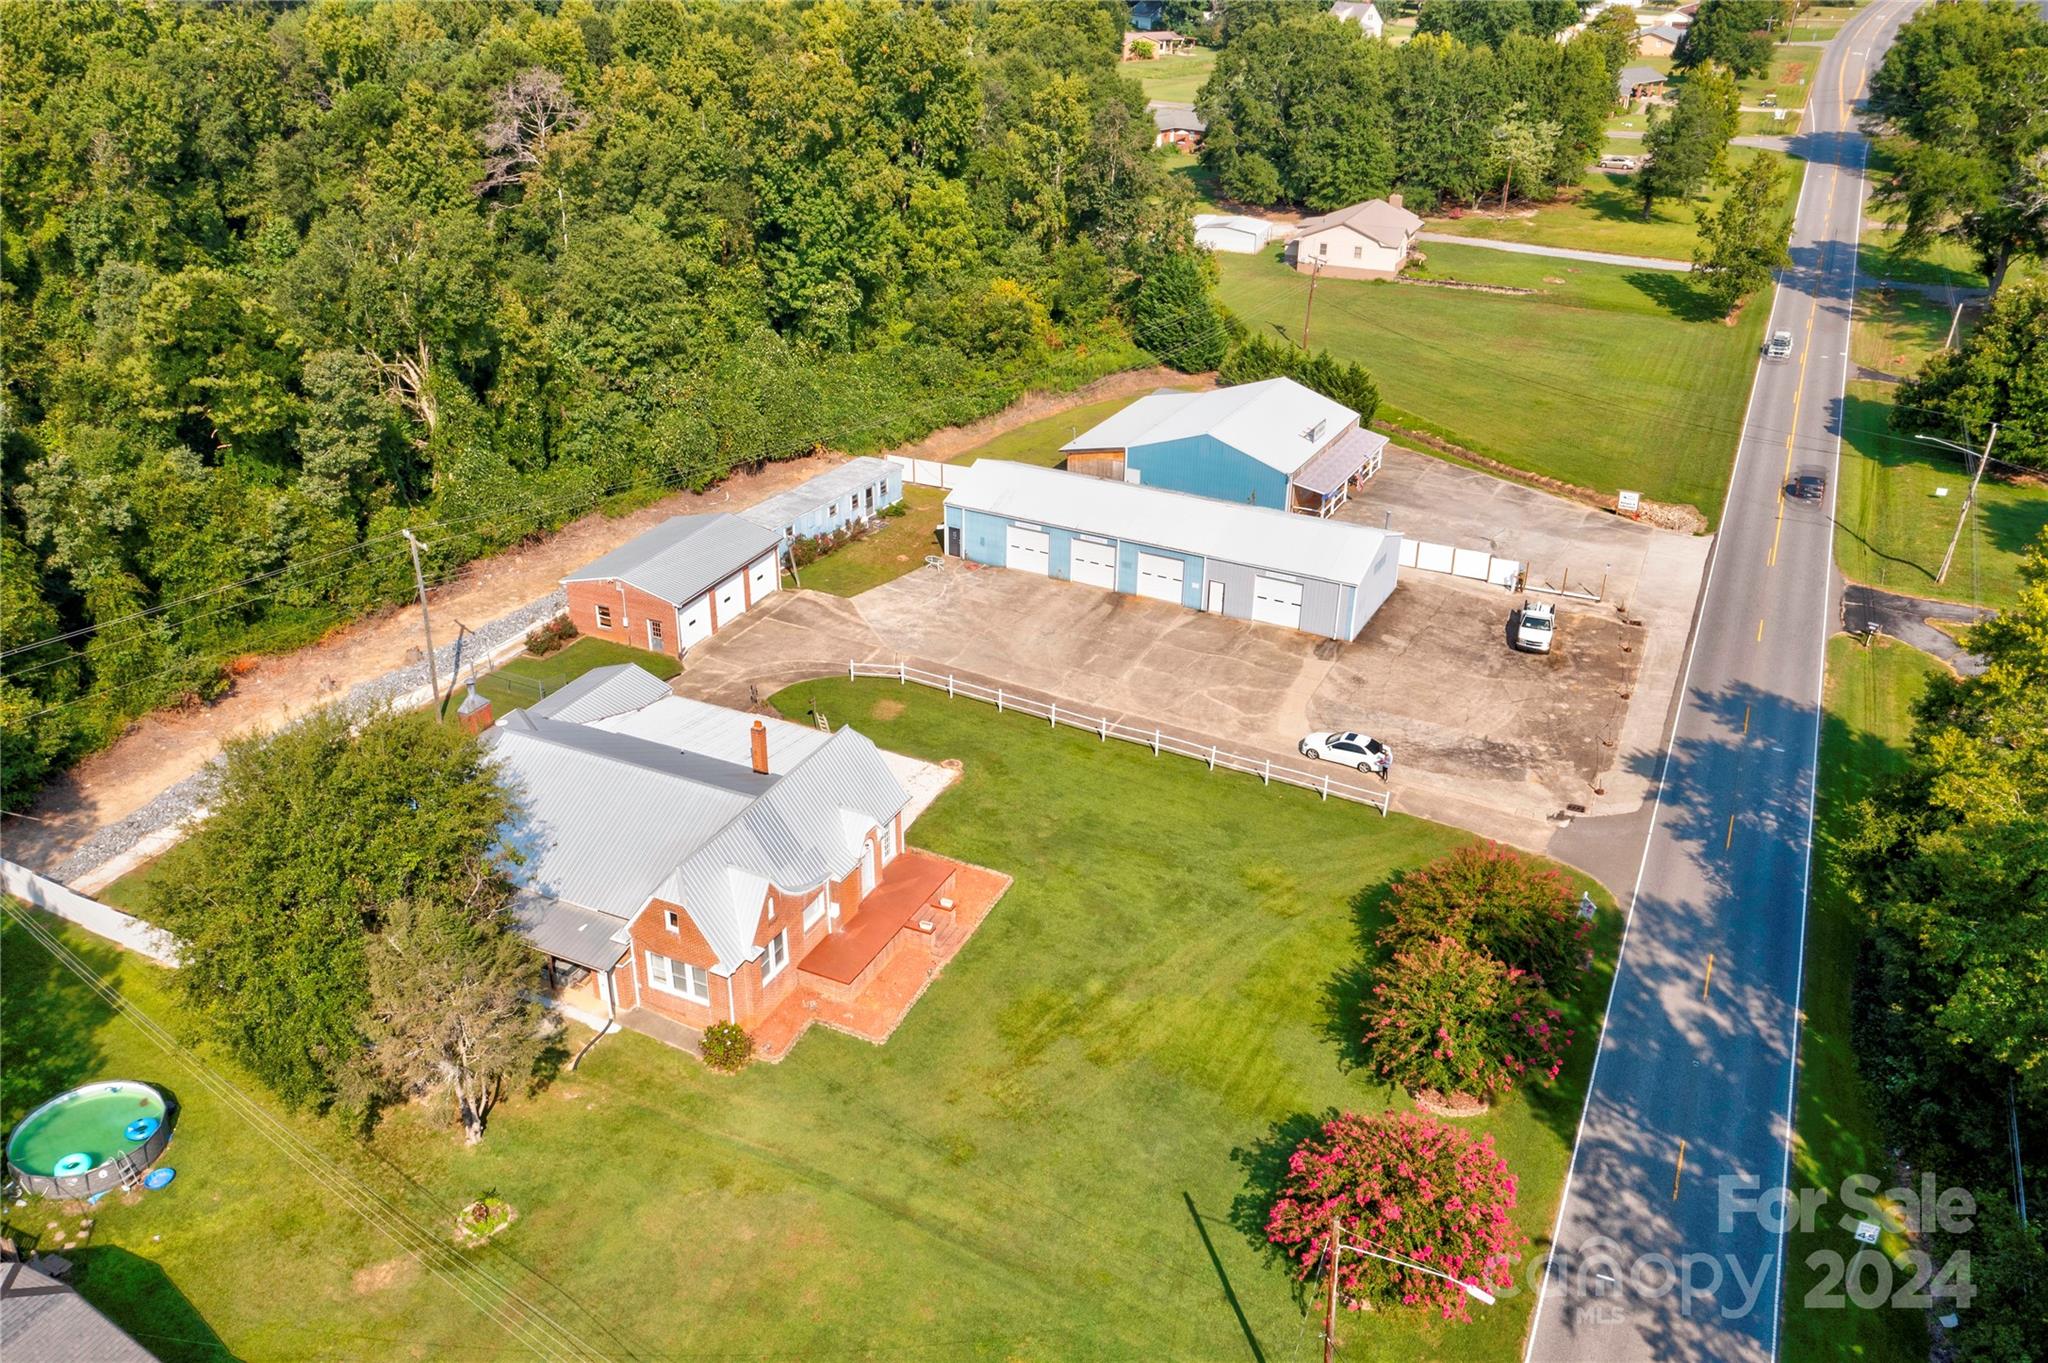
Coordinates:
[727,1047]
[555,634]
[895,511]
[1500,901]
[1447,1019]
[1405,1185]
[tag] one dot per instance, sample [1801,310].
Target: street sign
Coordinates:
[1629,503]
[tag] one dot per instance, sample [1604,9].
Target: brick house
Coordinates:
[677,584]
[700,864]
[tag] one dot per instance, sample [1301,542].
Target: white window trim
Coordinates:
[666,978]
[888,840]
[814,911]
[770,967]
[604,616]
[672,920]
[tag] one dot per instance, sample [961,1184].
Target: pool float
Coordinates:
[141,1129]
[159,1178]
[77,1162]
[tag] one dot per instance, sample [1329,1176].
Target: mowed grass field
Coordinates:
[1864,736]
[887,552]
[1609,378]
[1172,79]
[1050,1160]
[1892,521]
[1603,213]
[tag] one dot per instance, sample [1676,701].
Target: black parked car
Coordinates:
[1809,484]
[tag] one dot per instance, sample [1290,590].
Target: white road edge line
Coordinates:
[1820,687]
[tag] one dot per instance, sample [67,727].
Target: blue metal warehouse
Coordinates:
[857,490]
[1251,563]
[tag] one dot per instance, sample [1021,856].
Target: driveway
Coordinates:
[1523,248]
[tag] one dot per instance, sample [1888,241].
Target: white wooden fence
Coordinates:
[1157,739]
[1476,564]
[926,472]
[123,930]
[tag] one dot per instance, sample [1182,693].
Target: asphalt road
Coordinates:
[1692,1092]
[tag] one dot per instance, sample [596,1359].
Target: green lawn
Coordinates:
[1897,329]
[1754,124]
[1891,528]
[1943,262]
[130,893]
[525,679]
[1790,76]
[1044,1163]
[1870,692]
[1611,379]
[886,553]
[1603,213]
[1173,79]
[1198,177]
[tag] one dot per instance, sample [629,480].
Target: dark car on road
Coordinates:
[1809,484]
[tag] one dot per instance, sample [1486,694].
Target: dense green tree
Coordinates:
[1174,317]
[1999,373]
[1965,88]
[1492,21]
[1448,99]
[1524,148]
[1257,357]
[1743,241]
[1687,145]
[1614,35]
[1733,33]
[1299,113]
[311,834]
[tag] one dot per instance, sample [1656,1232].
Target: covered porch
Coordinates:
[1326,482]
[579,949]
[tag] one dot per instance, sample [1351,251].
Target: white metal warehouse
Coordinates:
[1246,562]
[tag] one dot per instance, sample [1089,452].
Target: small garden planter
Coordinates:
[482,1219]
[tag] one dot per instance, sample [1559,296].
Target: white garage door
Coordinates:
[1093,564]
[762,578]
[1159,578]
[696,621]
[732,599]
[1276,601]
[1028,551]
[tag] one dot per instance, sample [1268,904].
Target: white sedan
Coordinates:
[1353,750]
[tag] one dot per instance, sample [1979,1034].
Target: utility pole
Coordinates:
[1983,461]
[1330,1324]
[1315,273]
[426,621]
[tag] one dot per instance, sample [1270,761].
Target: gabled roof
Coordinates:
[1257,536]
[1278,422]
[1632,76]
[1384,222]
[1356,11]
[1670,33]
[599,693]
[846,480]
[1169,118]
[663,801]
[46,1321]
[684,556]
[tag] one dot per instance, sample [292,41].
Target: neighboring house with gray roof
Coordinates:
[688,860]
[44,1321]
[852,493]
[1369,240]
[1177,125]
[677,584]
[1639,82]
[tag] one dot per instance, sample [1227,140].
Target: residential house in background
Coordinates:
[1660,41]
[1243,562]
[1361,12]
[1177,125]
[1236,233]
[677,584]
[1369,240]
[43,1320]
[1639,84]
[684,864]
[1274,444]
[1164,41]
[853,493]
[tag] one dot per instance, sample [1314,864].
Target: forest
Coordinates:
[277,282]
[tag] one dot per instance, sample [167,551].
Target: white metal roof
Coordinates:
[1385,222]
[600,692]
[1259,537]
[847,480]
[1262,228]
[684,556]
[1278,422]
[664,800]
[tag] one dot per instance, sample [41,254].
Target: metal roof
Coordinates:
[592,940]
[1334,467]
[1632,76]
[45,1321]
[846,480]
[616,811]
[1259,537]
[1278,422]
[1387,223]
[1261,228]
[684,556]
[601,692]
[1169,117]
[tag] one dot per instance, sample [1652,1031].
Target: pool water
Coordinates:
[91,1121]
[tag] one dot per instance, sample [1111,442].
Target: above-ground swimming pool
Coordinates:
[89,1140]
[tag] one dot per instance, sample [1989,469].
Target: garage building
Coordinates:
[1245,562]
[679,583]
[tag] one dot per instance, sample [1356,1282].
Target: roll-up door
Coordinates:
[1028,551]
[761,578]
[1093,564]
[1160,578]
[1277,601]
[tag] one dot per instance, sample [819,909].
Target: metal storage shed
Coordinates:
[1246,562]
[856,490]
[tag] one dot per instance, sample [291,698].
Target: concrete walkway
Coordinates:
[1522,248]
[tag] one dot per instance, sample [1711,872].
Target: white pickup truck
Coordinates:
[1535,626]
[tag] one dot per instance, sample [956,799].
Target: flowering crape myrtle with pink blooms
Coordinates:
[1449,1022]
[1404,1185]
[1508,905]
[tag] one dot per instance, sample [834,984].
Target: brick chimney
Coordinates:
[474,713]
[1395,200]
[760,747]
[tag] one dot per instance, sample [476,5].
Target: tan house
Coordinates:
[1369,240]
[1164,43]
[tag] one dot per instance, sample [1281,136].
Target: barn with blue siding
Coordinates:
[1245,562]
[857,490]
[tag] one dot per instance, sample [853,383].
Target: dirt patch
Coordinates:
[886,710]
[948,441]
[1450,1104]
[385,1276]
[1682,517]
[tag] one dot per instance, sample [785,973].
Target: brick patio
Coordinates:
[897,984]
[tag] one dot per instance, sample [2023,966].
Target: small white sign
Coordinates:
[1941,492]
[1866,1232]
[1587,908]
[1629,502]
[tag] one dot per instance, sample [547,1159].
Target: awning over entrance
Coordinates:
[1359,451]
[568,933]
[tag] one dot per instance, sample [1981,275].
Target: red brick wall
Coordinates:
[630,609]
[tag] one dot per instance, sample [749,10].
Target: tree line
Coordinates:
[282,281]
